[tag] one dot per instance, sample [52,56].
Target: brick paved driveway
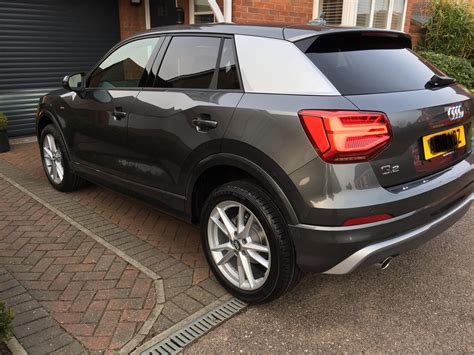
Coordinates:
[92,271]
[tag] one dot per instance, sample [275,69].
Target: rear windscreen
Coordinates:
[368,62]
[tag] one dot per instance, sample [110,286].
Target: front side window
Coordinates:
[189,62]
[124,67]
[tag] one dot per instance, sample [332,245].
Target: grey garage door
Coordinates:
[40,42]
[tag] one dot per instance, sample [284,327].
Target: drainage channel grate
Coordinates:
[177,341]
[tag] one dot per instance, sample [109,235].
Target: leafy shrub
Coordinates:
[3,121]
[458,68]
[6,317]
[450,29]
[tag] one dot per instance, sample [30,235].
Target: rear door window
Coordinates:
[368,63]
[190,62]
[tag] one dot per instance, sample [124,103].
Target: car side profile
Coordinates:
[299,148]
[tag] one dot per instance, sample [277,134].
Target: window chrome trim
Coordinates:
[275,66]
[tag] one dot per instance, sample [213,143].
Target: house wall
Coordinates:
[272,11]
[132,18]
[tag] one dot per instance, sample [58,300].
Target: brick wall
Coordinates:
[272,11]
[132,18]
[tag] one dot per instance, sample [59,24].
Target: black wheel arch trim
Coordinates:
[250,167]
[44,112]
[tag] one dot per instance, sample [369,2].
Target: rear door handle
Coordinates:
[119,114]
[203,123]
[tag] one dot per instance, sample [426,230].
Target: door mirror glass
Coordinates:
[74,82]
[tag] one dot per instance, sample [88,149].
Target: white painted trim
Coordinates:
[349,12]
[390,14]
[315,9]
[217,11]
[147,15]
[228,10]
[404,15]
[372,13]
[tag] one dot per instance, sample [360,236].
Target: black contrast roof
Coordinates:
[278,31]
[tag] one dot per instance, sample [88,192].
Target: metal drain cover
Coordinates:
[177,341]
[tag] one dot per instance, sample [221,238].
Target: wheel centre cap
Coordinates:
[237,245]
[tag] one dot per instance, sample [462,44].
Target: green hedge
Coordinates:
[6,318]
[458,68]
[450,29]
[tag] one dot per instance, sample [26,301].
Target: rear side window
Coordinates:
[125,66]
[190,62]
[368,62]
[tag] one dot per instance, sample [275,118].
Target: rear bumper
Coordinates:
[340,250]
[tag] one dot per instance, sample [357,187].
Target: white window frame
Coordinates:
[349,12]
[192,13]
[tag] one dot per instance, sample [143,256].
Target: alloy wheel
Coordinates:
[239,245]
[53,160]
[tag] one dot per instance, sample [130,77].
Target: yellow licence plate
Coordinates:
[443,142]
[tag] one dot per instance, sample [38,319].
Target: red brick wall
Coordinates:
[272,11]
[185,5]
[132,18]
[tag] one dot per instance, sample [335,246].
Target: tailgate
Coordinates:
[414,115]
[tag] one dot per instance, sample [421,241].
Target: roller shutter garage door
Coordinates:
[43,40]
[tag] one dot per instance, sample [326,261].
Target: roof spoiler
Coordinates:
[294,34]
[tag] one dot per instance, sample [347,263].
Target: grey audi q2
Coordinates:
[299,148]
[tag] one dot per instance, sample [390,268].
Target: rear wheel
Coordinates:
[247,244]
[55,162]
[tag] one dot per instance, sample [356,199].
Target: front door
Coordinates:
[101,112]
[184,117]
[162,12]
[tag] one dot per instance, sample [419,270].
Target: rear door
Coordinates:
[182,117]
[431,126]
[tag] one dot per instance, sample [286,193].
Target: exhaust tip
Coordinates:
[385,263]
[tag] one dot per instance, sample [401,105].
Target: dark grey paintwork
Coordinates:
[157,154]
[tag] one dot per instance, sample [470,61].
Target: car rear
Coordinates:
[390,174]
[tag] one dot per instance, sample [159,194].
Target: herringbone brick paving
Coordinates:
[171,236]
[100,210]
[96,296]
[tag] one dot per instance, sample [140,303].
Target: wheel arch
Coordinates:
[46,118]
[225,167]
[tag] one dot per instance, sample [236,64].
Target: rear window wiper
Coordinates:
[438,81]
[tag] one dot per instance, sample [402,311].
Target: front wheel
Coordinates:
[246,242]
[55,162]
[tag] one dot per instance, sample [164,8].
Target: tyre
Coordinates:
[246,242]
[55,163]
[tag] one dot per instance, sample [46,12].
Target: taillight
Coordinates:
[346,136]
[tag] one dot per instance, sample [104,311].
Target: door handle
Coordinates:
[119,114]
[203,123]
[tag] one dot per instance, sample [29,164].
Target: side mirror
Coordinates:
[74,82]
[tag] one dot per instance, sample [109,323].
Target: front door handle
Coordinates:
[203,123]
[119,114]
